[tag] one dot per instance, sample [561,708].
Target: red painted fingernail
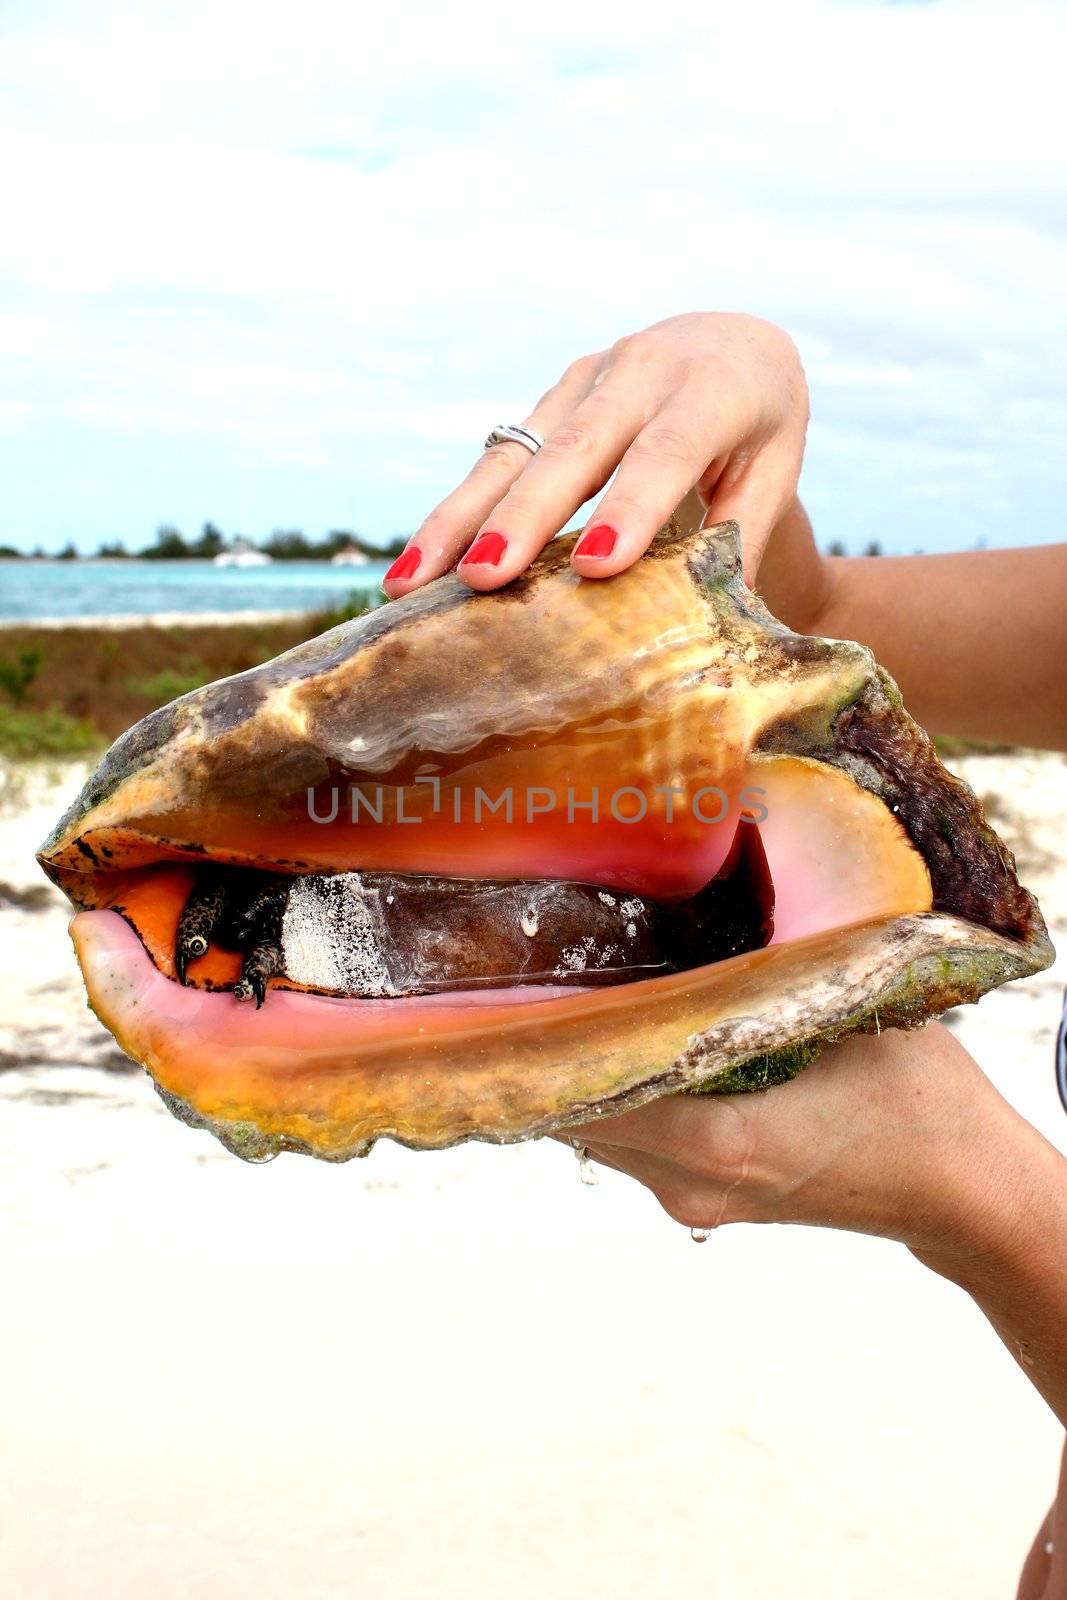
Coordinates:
[485,551]
[598,541]
[406,564]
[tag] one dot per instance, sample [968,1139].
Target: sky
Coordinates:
[283,266]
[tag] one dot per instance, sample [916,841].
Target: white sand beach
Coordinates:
[466,1375]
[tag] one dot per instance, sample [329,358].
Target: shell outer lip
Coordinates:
[937,961]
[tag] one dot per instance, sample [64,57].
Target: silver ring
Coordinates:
[512,433]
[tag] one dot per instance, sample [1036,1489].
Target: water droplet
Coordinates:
[586,1170]
[700,1235]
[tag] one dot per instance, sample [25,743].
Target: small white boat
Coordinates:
[349,557]
[241,554]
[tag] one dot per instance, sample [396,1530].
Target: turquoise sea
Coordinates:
[32,590]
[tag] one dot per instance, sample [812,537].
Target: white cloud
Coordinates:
[337,243]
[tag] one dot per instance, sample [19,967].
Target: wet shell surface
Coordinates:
[480,866]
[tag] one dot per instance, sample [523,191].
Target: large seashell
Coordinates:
[669,700]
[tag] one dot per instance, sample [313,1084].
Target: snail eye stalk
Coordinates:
[200,916]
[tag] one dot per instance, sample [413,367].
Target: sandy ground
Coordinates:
[467,1375]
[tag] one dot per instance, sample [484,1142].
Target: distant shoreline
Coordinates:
[161,619]
[376,560]
[112,595]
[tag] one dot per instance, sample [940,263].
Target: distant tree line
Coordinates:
[292,545]
[839,548]
[283,545]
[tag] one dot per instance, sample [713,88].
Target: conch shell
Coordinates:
[506,764]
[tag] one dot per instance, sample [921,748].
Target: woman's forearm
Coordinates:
[977,641]
[1017,1272]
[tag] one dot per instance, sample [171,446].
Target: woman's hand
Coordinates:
[900,1135]
[709,401]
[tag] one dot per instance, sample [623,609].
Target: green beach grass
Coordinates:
[68,692]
